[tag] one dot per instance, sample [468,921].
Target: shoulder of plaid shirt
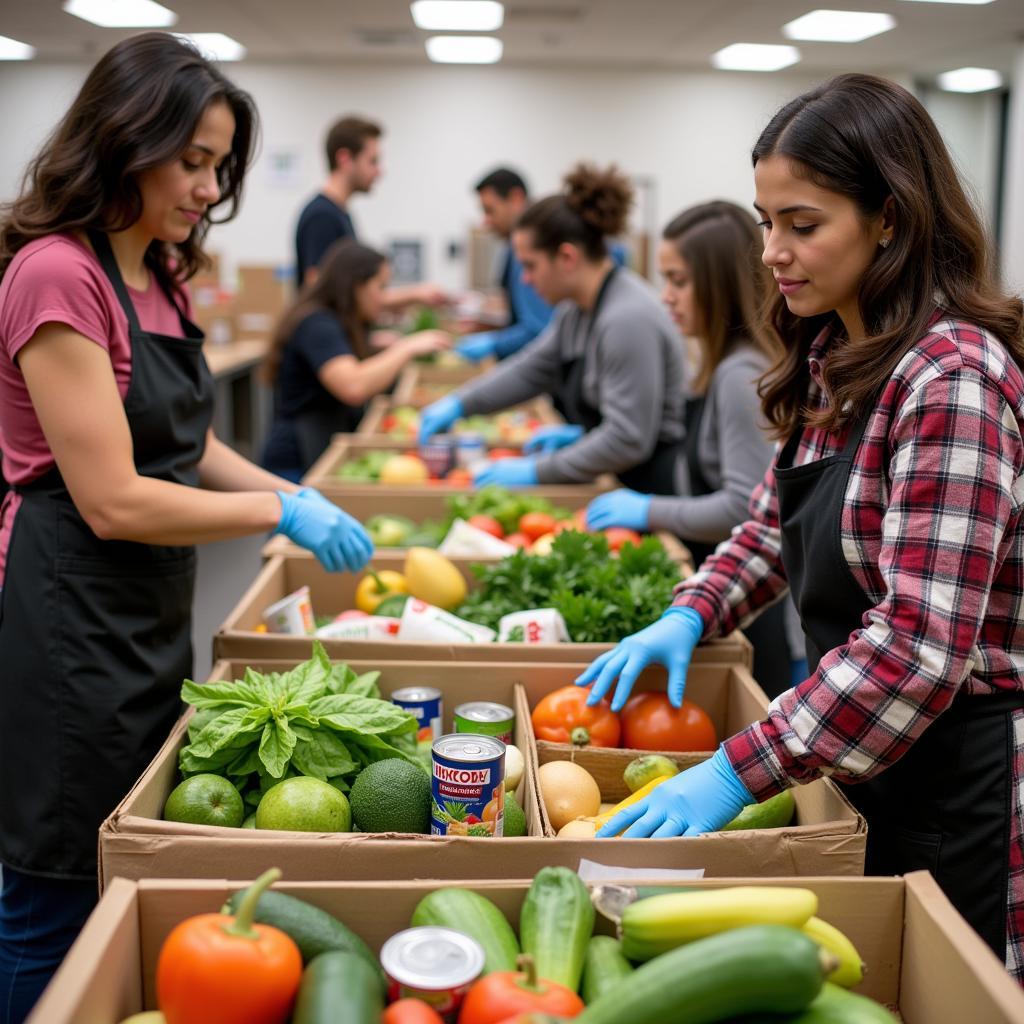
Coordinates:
[932,531]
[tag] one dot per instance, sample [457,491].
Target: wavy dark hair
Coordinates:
[138,109]
[346,265]
[870,140]
[721,243]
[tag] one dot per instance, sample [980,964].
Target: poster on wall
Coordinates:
[406,256]
[282,167]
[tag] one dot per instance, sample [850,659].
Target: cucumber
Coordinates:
[313,930]
[604,966]
[555,925]
[339,988]
[775,812]
[834,1005]
[473,915]
[762,968]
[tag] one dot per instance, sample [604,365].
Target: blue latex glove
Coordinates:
[550,439]
[311,521]
[475,347]
[508,473]
[669,641]
[439,416]
[619,508]
[701,799]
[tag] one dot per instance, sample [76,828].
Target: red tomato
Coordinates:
[618,535]
[410,1011]
[520,540]
[536,524]
[460,478]
[488,524]
[503,453]
[563,716]
[564,524]
[649,722]
[503,994]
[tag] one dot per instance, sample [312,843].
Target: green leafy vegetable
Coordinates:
[365,467]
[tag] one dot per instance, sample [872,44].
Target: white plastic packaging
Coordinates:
[424,623]
[538,625]
[465,541]
[292,615]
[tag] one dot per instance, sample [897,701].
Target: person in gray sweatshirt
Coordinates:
[709,258]
[610,359]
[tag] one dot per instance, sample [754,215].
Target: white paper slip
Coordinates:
[591,871]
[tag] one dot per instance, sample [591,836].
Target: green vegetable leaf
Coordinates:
[321,753]
[276,746]
[348,712]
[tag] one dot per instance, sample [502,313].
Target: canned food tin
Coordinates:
[426,705]
[436,965]
[486,718]
[467,786]
[292,615]
[470,449]
[438,454]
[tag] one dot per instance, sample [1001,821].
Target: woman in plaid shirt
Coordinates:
[892,512]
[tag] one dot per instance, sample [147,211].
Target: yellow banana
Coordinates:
[654,925]
[850,971]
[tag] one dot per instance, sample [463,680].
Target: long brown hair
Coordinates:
[138,109]
[869,139]
[721,244]
[345,266]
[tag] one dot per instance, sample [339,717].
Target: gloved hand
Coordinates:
[508,473]
[669,641]
[701,799]
[311,521]
[619,508]
[551,438]
[475,347]
[439,416]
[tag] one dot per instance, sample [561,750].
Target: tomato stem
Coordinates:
[241,925]
[580,736]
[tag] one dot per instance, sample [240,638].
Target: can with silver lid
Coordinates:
[435,965]
[470,451]
[467,786]
[486,718]
[426,705]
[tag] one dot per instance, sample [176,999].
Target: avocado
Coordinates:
[391,796]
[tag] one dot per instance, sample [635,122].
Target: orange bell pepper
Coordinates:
[502,995]
[410,1011]
[219,969]
[564,717]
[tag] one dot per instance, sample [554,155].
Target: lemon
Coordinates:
[304,804]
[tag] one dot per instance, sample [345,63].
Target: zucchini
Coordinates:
[763,968]
[604,966]
[339,988]
[555,925]
[313,930]
[473,915]
[834,1005]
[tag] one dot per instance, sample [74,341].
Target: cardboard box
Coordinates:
[264,293]
[921,956]
[450,376]
[827,838]
[332,593]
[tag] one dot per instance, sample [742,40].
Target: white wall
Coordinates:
[1013,214]
[690,133]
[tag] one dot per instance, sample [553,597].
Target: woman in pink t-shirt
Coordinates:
[105,410]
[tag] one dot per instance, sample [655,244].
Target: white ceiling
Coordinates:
[929,37]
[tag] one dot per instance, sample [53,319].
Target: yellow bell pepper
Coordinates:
[603,819]
[375,586]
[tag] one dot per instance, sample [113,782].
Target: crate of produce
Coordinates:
[827,836]
[920,958]
[447,370]
[598,607]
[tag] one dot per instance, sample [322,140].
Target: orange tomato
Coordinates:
[564,524]
[649,722]
[503,994]
[564,717]
[410,1011]
[459,478]
[618,535]
[536,524]
[520,540]
[488,524]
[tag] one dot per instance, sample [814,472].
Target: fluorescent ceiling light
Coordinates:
[838,26]
[215,45]
[970,80]
[121,13]
[755,57]
[464,49]
[975,2]
[11,49]
[458,15]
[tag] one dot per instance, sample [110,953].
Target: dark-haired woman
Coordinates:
[610,358]
[105,410]
[893,512]
[715,284]
[319,362]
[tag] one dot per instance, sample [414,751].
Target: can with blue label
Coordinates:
[426,705]
[438,454]
[470,450]
[467,786]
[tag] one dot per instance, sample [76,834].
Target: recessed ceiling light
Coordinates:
[970,80]
[464,49]
[458,15]
[215,45]
[838,26]
[121,13]
[755,57]
[975,2]
[11,49]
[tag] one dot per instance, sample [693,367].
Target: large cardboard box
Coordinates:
[332,593]
[921,956]
[826,838]
[264,293]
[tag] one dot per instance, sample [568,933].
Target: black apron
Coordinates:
[315,427]
[767,632]
[95,636]
[945,806]
[657,474]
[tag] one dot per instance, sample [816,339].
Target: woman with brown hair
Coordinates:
[892,512]
[715,284]
[320,362]
[105,410]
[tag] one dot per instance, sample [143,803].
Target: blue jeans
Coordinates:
[39,919]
